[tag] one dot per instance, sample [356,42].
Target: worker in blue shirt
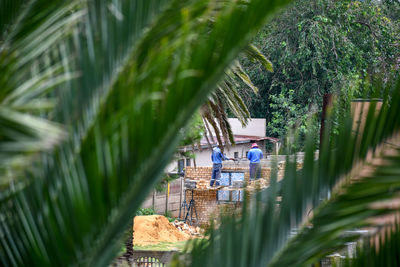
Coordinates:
[217,157]
[254,155]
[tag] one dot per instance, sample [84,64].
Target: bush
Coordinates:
[145,211]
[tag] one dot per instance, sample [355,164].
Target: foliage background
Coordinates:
[320,47]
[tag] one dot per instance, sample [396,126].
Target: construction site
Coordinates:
[200,133]
[195,206]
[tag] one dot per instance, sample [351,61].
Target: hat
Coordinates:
[254,145]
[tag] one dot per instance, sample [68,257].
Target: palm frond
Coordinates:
[227,97]
[263,236]
[380,251]
[254,54]
[228,87]
[242,75]
[29,41]
[146,85]
[350,207]
[9,11]
[232,100]
[208,117]
[60,44]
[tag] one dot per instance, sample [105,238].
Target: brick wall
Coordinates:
[198,173]
[207,206]
[206,203]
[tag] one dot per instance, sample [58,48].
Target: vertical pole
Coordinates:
[166,199]
[153,203]
[180,198]
[191,209]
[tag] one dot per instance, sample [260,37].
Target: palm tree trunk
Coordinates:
[128,255]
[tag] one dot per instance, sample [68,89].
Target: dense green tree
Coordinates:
[320,47]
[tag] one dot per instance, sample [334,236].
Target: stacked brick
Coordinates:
[205,198]
[281,168]
[206,203]
[204,173]
[198,173]
[257,184]
[266,173]
[202,184]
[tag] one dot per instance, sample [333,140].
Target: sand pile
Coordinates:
[153,229]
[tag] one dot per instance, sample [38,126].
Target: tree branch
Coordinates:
[368,26]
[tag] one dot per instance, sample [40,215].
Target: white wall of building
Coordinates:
[255,127]
[203,158]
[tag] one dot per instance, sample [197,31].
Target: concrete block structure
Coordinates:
[208,200]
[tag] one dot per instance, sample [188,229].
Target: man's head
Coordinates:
[254,145]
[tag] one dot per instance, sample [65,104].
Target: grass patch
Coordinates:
[163,246]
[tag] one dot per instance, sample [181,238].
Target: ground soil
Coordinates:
[154,229]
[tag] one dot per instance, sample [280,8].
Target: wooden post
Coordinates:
[166,199]
[153,203]
[180,197]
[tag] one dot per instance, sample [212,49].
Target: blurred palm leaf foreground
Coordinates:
[93,94]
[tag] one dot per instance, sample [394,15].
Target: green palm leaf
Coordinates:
[263,234]
[29,44]
[226,97]
[348,209]
[382,252]
[133,94]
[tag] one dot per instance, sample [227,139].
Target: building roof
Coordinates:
[249,138]
[253,131]
[239,139]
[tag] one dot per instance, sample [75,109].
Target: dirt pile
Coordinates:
[153,229]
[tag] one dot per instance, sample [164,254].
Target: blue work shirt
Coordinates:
[254,155]
[217,156]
